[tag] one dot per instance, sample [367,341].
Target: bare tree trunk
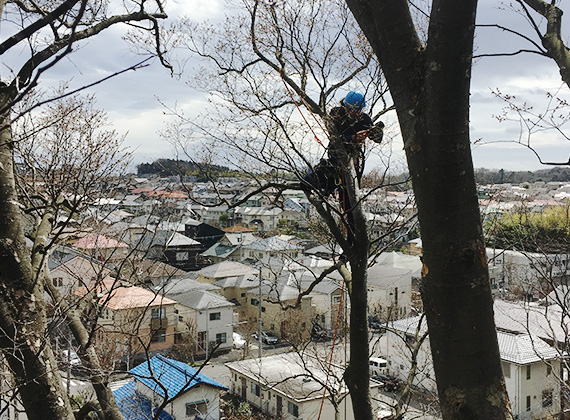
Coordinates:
[23,338]
[357,375]
[99,378]
[430,88]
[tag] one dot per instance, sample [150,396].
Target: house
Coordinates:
[133,318]
[70,269]
[233,279]
[212,214]
[328,299]
[289,386]
[230,247]
[415,246]
[327,251]
[264,249]
[531,367]
[148,272]
[204,233]
[172,248]
[127,232]
[211,316]
[293,324]
[190,393]
[390,291]
[536,273]
[262,218]
[101,247]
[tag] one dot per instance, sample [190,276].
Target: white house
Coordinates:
[531,367]
[390,291]
[265,249]
[211,314]
[290,387]
[529,270]
[69,269]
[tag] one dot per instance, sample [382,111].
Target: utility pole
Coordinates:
[69,364]
[259,316]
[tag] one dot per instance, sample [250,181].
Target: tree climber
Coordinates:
[348,127]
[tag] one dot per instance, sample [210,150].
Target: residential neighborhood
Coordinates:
[201,283]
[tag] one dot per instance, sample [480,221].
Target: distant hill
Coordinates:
[485,176]
[171,167]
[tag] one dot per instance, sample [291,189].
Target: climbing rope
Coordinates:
[301,112]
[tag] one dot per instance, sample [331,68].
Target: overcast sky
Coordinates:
[131,100]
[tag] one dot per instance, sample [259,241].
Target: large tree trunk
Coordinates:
[108,408]
[430,88]
[23,336]
[357,375]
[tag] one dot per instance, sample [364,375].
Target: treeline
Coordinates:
[172,167]
[485,176]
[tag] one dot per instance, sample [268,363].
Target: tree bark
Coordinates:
[430,88]
[552,39]
[107,405]
[23,338]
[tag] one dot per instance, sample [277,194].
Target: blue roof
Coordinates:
[135,406]
[161,373]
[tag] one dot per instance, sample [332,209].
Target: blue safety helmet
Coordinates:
[354,100]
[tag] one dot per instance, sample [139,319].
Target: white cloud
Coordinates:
[196,9]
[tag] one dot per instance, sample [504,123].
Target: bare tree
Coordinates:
[49,31]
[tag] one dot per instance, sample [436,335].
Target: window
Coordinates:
[220,338]
[547,397]
[527,372]
[528,403]
[254,302]
[215,316]
[58,281]
[196,409]
[182,256]
[158,313]
[159,336]
[548,369]
[506,369]
[255,389]
[293,409]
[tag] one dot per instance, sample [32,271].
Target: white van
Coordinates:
[378,366]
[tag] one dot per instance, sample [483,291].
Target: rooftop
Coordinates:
[170,377]
[300,378]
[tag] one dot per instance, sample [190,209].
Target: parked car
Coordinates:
[266,337]
[385,412]
[239,341]
[376,325]
[388,383]
[377,365]
[70,357]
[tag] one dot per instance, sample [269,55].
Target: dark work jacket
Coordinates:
[341,129]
